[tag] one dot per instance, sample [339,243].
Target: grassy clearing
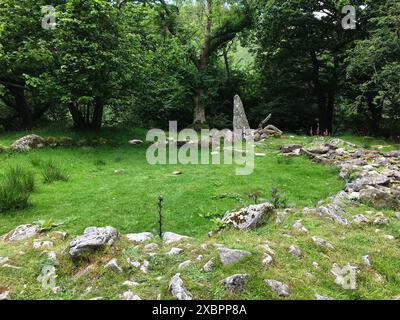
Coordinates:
[114,185]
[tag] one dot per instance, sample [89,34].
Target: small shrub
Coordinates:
[278,199]
[51,172]
[15,189]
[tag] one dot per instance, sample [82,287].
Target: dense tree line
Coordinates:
[149,61]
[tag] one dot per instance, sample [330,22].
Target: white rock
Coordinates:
[298,225]
[40,244]
[151,247]
[319,297]
[174,251]
[135,141]
[366,261]
[129,295]
[315,265]
[267,260]
[295,251]
[230,256]
[113,264]
[177,288]
[279,287]
[135,264]
[209,266]
[321,242]
[170,237]
[21,233]
[145,266]
[267,248]
[140,237]
[184,264]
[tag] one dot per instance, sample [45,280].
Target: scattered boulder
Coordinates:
[129,283]
[360,218]
[267,261]
[151,247]
[170,237]
[129,295]
[208,267]
[298,225]
[279,287]
[397,215]
[174,251]
[113,265]
[177,288]
[247,218]
[322,243]
[295,251]
[184,264]
[230,256]
[371,178]
[92,238]
[267,248]
[140,237]
[236,283]
[28,142]
[333,212]
[22,232]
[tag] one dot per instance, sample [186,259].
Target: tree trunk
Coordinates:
[375,113]
[77,118]
[21,106]
[199,107]
[319,92]
[97,118]
[199,99]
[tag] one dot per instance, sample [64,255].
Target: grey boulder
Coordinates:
[21,232]
[230,256]
[92,238]
[236,283]
[177,288]
[247,218]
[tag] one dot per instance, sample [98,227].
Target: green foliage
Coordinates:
[278,199]
[16,185]
[52,171]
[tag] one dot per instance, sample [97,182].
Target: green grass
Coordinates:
[114,185]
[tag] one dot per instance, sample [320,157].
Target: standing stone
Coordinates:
[240,122]
[208,266]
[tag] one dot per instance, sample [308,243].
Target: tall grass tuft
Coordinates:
[16,186]
[52,171]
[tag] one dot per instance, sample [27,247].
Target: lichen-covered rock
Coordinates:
[236,283]
[267,260]
[247,218]
[5,295]
[92,238]
[208,267]
[333,212]
[319,297]
[230,256]
[28,142]
[21,232]
[177,288]
[371,178]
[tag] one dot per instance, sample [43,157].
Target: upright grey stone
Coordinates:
[240,122]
